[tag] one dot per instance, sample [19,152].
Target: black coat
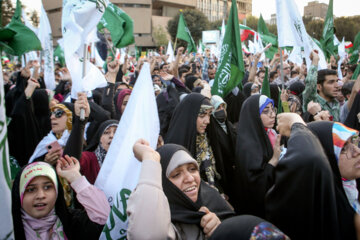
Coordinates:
[303,201]
[323,130]
[253,152]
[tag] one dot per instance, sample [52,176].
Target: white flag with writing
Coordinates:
[120,171]
[45,37]
[292,32]
[79,19]
[6,226]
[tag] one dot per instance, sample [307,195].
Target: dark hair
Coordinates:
[182,71]
[162,65]
[352,67]
[294,72]
[323,73]
[347,87]
[272,74]
[260,71]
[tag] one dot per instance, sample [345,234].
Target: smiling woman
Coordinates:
[182,206]
[194,207]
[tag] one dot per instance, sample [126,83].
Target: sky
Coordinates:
[341,7]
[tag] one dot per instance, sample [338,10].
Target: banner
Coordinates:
[120,171]
[6,226]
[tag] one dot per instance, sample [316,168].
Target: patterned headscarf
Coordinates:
[68,114]
[341,134]
[34,170]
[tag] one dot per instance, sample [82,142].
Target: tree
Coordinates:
[160,36]
[196,22]
[272,28]
[347,27]
[215,25]
[252,22]
[7,11]
[314,28]
[34,17]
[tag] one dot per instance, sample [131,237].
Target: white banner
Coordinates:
[292,32]
[120,171]
[79,19]
[45,37]
[6,226]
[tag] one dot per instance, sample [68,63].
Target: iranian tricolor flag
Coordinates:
[245,31]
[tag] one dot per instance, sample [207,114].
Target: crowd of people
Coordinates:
[246,166]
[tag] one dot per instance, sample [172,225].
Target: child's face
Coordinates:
[39,197]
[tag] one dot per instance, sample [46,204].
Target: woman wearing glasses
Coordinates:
[50,148]
[257,152]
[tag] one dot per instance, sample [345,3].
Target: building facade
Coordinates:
[218,9]
[315,9]
[148,14]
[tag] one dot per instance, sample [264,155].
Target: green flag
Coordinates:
[24,40]
[5,36]
[119,24]
[183,33]
[327,38]
[261,27]
[265,88]
[354,51]
[267,37]
[356,73]
[137,53]
[231,65]
[59,55]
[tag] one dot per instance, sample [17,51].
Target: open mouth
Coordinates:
[40,206]
[189,189]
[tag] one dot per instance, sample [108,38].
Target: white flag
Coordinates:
[6,226]
[296,56]
[259,46]
[45,37]
[98,60]
[79,18]
[342,55]
[252,48]
[170,53]
[120,171]
[222,34]
[292,32]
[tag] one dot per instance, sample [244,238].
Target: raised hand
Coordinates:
[143,151]
[68,168]
[285,122]
[82,103]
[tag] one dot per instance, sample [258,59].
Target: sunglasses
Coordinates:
[58,113]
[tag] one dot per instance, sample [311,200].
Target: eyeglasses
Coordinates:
[269,111]
[286,68]
[58,113]
[350,147]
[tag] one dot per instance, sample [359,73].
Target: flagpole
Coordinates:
[281,69]
[175,45]
[82,111]
[41,66]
